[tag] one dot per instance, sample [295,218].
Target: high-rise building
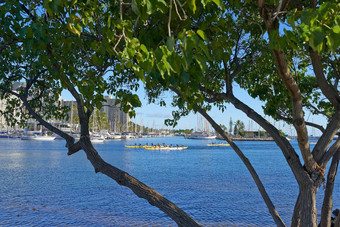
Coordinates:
[117,119]
[3,103]
[2,118]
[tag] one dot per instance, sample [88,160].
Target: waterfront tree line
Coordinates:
[284,53]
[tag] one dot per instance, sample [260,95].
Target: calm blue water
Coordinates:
[41,186]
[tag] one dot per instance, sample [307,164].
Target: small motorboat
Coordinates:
[218,144]
[97,139]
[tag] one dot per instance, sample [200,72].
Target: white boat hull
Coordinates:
[202,137]
[97,141]
[38,138]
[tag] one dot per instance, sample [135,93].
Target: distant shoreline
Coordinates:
[250,139]
[253,139]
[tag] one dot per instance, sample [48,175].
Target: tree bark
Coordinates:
[305,213]
[288,151]
[272,210]
[327,137]
[298,114]
[297,211]
[121,177]
[329,91]
[308,207]
[330,153]
[326,210]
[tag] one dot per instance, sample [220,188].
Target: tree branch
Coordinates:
[69,139]
[294,91]
[330,153]
[326,210]
[138,187]
[7,90]
[80,105]
[317,110]
[245,161]
[74,148]
[329,91]
[327,137]
[24,8]
[298,115]
[311,124]
[169,20]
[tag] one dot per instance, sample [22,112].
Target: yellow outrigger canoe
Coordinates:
[218,144]
[142,146]
[156,148]
[134,146]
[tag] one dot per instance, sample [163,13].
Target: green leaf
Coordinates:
[148,7]
[175,62]
[333,42]
[201,34]
[324,9]
[163,2]
[128,64]
[170,43]
[336,29]
[162,68]
[143,48]
[192,5]
[134,7]
[316,38]
[218,3]
[147,65]
[308,17]
[274,39]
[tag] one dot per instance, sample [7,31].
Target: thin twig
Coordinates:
[184,14]
[169,22]
[114,48]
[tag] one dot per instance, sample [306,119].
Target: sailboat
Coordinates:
[95,138]
[202,135]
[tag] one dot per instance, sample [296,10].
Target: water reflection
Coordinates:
[42,186]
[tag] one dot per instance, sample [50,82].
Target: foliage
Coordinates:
[239,128]
[224,127]
[99,121]
[198,50]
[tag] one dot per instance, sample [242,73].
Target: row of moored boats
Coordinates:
[158,147]
[170,147]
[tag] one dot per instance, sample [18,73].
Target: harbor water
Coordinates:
[42,186]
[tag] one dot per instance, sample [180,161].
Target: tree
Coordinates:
[224,127]
[266,48]
[239,128]
[75,118]
[198,51]
[62,45]
[99,121]
[236,130]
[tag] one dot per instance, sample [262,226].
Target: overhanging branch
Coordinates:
[244,159]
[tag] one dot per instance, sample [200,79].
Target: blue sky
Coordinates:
[152,115]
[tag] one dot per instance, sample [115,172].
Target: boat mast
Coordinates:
[71,116]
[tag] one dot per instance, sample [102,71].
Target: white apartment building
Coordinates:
[3,123]
[118,120]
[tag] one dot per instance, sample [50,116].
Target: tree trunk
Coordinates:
[327,205]
[305,214]
[297,211]
[139,188]
[272,210]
